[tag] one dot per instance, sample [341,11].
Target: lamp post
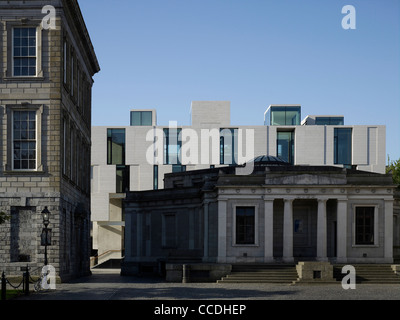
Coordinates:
[46,221]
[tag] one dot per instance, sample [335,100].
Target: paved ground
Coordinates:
[111,286]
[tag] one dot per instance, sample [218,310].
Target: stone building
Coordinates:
[46,75]
[120,154]
[280,213]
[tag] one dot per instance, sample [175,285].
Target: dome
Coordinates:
[267,160]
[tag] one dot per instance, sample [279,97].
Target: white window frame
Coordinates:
[12,140]
[36,51]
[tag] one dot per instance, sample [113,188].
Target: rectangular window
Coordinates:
[24,140]
[24,52]
[178,168]
[365,220]
[172,146]
[245,225]
[228,146]
[122,179]
[65,64]
[342,146]
[285,146]
[141,118]
[155,177]
[72,74]
[329,121]
[116,146]
[283,116]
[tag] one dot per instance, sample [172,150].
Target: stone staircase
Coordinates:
[370,273]
[287,274]
[261,273]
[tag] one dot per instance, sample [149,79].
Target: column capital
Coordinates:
[289,200]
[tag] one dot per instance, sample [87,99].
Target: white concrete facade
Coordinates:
[313,145]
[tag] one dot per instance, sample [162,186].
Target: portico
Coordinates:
[306,215]
[278,214]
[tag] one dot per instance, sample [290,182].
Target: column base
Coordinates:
[341,260]
[322,259]
[288,259]
[269,259]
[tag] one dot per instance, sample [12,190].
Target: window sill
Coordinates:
[24,173]
[17,79]
[245,245]
[365,246]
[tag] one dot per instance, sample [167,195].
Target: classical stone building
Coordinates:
[46,69]
[280,213]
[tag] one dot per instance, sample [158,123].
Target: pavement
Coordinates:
[107,284]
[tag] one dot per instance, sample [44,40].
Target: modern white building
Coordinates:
[136,157]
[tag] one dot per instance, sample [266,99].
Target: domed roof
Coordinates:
[267,160]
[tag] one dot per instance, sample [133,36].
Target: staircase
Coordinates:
[370,273]
[261,273]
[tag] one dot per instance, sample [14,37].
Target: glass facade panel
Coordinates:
[172,146]
[141,118]
[122,181]
[245,225]
[283,116]
[343,146]
[116,146]
[228,146]
[285,146]
[155,177]
[178,168]
[329,121]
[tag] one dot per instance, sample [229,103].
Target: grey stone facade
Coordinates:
[56,94]
[300,213]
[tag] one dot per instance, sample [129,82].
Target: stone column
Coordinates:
[321,231]
[341,236]
[268,230]
[288,230]
[222,215]
[388,230]
[205,240]
[139,236]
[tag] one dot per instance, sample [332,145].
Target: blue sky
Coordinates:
[163,54]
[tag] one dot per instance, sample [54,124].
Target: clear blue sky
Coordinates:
[163,54]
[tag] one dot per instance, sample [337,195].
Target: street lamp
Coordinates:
[46,221]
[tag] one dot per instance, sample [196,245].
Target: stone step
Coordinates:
[367,273]
[261,273]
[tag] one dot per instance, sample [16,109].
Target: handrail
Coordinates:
[96,258]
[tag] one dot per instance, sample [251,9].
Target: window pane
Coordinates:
[365,225]
[146,118]
[285,146]
[343,146]
[135,118]
[24,45]
[245,225]
[24,143]
[116,146]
